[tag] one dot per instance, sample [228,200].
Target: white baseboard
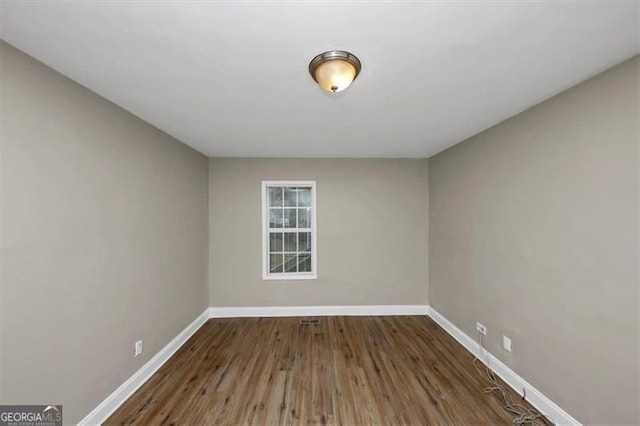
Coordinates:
[534,396]
[120,395]
[317,311]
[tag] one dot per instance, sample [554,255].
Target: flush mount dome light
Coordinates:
[334,70]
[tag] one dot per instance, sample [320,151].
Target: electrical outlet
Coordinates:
[506,343]
[137,350]
[481,328]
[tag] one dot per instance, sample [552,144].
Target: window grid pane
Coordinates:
[304,262]
[289,252]
[290,242]
[290,263]
[275,242]
[304,220]
[304,197]
[290,197]
[290,218]
[275,196]
[275,263]
[276,218]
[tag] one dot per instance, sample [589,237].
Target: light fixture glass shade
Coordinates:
[334,70]
[335,75]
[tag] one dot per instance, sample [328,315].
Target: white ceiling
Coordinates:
[231,79]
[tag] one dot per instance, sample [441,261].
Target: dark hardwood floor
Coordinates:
[344,370]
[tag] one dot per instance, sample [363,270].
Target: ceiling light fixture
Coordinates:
[334,70]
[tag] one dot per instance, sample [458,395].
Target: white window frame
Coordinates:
[266,275]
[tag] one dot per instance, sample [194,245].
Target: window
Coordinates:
[289,230]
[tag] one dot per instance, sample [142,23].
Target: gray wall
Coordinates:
[104,241]
[534,232]
[372,232]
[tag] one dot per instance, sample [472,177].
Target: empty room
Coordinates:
[336,213]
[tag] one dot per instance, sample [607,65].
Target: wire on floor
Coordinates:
[524,415]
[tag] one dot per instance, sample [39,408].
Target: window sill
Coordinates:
[289,277]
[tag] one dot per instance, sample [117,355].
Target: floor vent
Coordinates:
[309,321]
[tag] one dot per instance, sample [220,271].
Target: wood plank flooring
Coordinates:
[343,370]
